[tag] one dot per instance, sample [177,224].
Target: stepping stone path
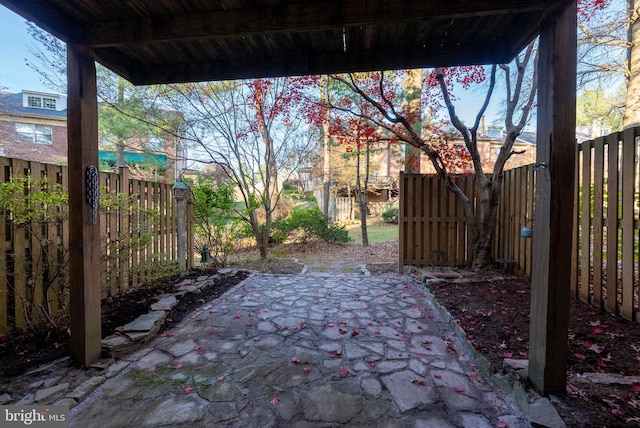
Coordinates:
[308,350]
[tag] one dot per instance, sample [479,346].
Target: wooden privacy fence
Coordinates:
[432,220]
[605,244]
[606,238]
[138,234]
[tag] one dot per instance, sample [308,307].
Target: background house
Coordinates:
[387,161]
[33,127]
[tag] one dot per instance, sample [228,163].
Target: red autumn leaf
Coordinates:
[331,325]
[597,331]
[507,354]
[601,363]
[220,378]
[458,389]
[275,401]
[343,372]
[295,360]
[579,356]
[354,334]
[188,390]
[635,387]
[307,370]
[342,331]
[201,351]
[169,335]
[376,332]
[177,366]
[437,376]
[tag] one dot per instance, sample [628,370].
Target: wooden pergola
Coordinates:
[168,41]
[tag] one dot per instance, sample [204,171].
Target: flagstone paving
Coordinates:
[308,350]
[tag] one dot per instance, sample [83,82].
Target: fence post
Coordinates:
[181,194]
[190,228]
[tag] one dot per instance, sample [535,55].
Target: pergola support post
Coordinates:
[553,220]
[84,231]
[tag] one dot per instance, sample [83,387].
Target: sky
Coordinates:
[15,75]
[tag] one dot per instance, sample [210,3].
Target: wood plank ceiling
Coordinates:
[165,41]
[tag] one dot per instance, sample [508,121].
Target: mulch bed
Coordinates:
[20,351]
[495,316]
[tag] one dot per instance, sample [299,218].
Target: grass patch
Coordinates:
[377,232]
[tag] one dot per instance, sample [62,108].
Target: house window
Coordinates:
[34,101]
[30,133]
[155,143]
[49,103]
[41,102]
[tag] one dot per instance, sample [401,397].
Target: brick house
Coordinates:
[33,127]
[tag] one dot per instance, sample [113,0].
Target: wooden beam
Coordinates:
[301,63]
[84,232]
[293,17]
[553,223]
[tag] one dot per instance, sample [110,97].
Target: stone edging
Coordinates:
[140,331]
[513,380]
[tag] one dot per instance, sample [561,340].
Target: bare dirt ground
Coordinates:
[493,310]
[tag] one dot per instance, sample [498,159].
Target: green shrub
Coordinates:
[390,215]
[311,224]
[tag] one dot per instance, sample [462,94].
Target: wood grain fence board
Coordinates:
[434,213]
[626,223]
[162,219]
[125,228]
[585,222]
[425,205]
[402,201]
[518,257]
[19,254]
[105,271]
[575,247]
[38,172]
[598,226]
[4,246]
[156,225]
[418,219]
[612,220]
[136,192]
[411,248]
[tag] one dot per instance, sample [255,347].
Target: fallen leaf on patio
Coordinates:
[579,356]
[177,366]
[169,334]
[343,372]
[635,387]
[458,389]
[307,370]
[188,390]
[275,401]
[295,360]
[220,378]
[507,354]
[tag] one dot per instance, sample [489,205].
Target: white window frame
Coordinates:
[32,133]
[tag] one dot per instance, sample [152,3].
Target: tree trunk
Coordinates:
[326,160]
